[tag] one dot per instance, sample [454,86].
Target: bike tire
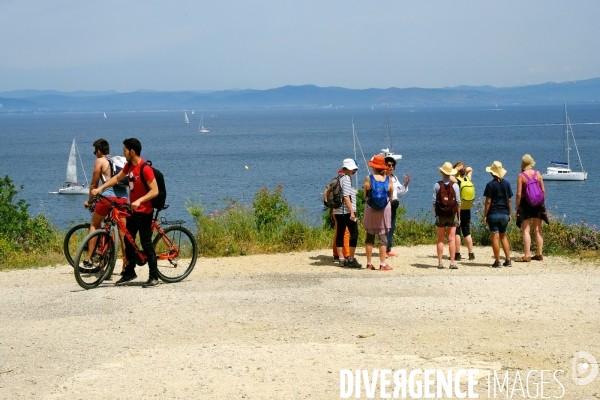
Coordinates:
[104,255]
[73,239]
[175,267]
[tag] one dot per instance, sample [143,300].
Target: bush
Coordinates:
[270,209]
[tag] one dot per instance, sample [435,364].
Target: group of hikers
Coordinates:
[453,198]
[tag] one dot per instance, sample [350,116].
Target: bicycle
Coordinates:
[175,246]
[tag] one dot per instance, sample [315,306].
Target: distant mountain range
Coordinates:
[307,96]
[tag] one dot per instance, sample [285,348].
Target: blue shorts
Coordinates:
[497,223]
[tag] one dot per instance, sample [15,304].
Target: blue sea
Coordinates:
[301,149]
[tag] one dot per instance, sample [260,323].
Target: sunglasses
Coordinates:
[391,165]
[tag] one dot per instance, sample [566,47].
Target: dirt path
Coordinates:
[283,326]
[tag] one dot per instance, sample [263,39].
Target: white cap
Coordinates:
[350,164]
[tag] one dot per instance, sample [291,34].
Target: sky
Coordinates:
[72,45]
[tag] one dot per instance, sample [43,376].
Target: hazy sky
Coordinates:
[127,45]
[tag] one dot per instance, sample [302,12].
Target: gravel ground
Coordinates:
[283,326]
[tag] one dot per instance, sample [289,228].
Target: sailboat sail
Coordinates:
[185,118]
[72,166]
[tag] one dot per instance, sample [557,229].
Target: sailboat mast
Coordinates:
[82,167]
[387,128]
[568,147]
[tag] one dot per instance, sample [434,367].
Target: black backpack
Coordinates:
[159,201]
[333,196]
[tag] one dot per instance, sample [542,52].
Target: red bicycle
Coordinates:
[175,246]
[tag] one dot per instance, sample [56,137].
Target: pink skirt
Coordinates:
[378,222]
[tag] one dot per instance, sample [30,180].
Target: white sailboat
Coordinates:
[389,152]
[104,115]
[562,170]
[71,185]
[201,128]
[185,118]
[192,112]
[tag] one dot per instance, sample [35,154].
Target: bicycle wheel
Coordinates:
[73,239]
[176,253]
[90,274]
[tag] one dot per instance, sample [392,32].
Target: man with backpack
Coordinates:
[143,187]
[464,179]
[345,214]
[102,172]
[446,204]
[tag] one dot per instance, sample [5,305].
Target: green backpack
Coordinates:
[467,192]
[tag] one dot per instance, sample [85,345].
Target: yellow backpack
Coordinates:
[467,192]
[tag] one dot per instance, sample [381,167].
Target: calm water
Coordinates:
[302,149]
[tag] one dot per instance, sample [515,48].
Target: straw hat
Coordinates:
[378,162]
[350,164]
[447,169]
[527,162]
[496,169]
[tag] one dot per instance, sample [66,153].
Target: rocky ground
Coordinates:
[283,326]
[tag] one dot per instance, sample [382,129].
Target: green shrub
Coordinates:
[270,208]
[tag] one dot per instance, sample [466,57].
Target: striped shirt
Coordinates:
[347,190]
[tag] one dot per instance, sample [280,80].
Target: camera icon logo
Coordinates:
[584,367]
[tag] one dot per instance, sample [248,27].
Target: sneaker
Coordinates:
[440,266]
[457,257]
[497,264]
[453,266]
[523,259]
[391,254]
[537,257]
[385,268]
[126,278]
[150,282]
[371,267]
[471,256]
[507,263]
[354,264]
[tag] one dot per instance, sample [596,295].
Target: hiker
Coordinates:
[446,203]
[346,247]
[527,212]
[399,190]
[378,190]
[101,173]
[496,214]
[345,216]
[467,196]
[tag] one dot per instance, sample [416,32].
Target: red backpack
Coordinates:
[445,200]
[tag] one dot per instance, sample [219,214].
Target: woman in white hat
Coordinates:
[345,216]
[496,215]
[526,212]
[446,205]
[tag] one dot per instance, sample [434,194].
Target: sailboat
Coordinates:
[71,185]
[389,152]
[562,170]
[192,112]
[104,115]
[202,129]
[185,118]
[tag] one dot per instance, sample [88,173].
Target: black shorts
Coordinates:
[465,223]
[526,211]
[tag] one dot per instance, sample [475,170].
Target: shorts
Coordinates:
[465,223]
[383,239]
[447,221]
[103,206]
[497,223]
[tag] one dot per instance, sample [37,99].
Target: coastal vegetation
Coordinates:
[269,224]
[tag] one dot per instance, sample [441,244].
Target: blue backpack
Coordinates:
[379,193]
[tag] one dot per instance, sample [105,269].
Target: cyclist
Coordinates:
[142,210]
[102,172]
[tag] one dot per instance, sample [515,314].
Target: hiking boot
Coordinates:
[336,258]
[353,264]
[391,254]
[471,256]
[537,257]
[507,263]
[126,278]
[343,263]
[385,268]
[440,266]
[453,266]
[457,257]
[497,264]
[523,259]
[371,267]
[150,282]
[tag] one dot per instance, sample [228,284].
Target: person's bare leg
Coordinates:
[452,243]
[441,231]
[382,255]
[469,241]
[505,246]
[495,245]
[539,239]
[457,242]
[526,237]
[95,224]
[369,251]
